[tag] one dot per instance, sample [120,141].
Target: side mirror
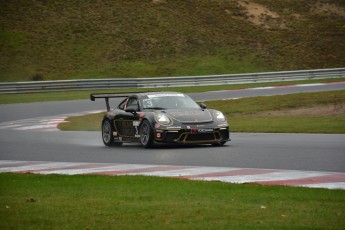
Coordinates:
[131,109]
[203,106]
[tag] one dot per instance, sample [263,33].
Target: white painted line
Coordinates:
[307,85]
[335,185]
[258,88]
[95,170]
[274,176]
[185,172]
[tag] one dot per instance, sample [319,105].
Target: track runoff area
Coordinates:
[312,179]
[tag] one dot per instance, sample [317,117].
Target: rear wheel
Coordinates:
[146,134]
[107,134]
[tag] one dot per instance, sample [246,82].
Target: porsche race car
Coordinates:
[161,117]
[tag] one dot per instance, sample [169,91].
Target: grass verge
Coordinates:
[135,202]
[321,112]
[106,39]
[75,95]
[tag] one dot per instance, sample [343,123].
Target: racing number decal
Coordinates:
[136,125]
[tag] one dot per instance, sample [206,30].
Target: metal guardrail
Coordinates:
[161,82]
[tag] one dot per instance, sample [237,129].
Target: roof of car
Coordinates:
[156,93]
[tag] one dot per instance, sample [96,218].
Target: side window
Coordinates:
[122,105]
[133,102]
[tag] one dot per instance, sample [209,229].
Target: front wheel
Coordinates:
[146,134]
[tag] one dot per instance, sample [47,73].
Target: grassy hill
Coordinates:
[43,40]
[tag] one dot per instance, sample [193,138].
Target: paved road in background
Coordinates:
[30,110]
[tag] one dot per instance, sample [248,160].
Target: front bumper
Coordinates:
[192,135]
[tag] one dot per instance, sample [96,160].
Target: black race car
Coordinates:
[161,117]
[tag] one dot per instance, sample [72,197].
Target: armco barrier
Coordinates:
[159,82]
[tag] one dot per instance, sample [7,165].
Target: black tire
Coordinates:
[107,134]
[146,134]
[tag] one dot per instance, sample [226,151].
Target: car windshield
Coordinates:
[161,101]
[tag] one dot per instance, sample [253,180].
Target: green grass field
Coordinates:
[30,201]
[321,112]
[50,40]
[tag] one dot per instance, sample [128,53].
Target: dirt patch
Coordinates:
[328,9]
[320,110]
[260,15]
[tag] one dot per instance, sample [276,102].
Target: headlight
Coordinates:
[220,116]
[163,119]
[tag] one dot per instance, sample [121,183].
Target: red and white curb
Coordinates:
[48,123]
[312,179]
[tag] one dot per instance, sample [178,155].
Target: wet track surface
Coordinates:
[26,135]
[271,151]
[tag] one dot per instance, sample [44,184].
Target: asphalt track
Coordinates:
[308,152]
[269,151]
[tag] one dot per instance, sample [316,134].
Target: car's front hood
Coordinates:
[190,115]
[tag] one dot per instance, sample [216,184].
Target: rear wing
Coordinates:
[95,96]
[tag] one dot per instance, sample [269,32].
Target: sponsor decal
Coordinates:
[202,130]
[186,113]
[136,131]
[166,95]
[205,130]
[136,123]
[174,127]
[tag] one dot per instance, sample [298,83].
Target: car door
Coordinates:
[127,123]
